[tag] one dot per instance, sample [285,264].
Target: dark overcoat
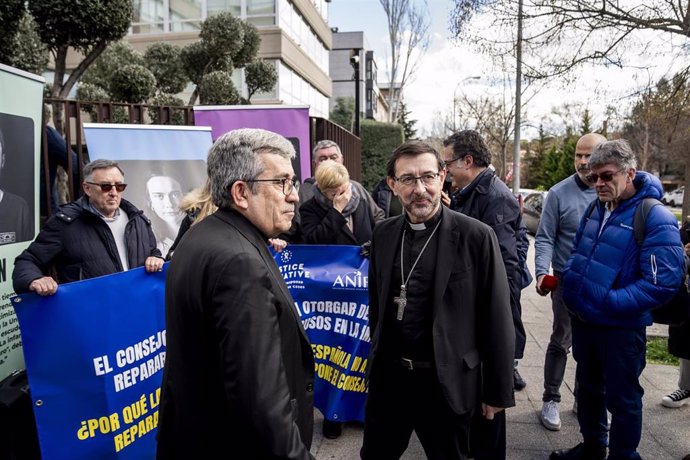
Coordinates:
[473,333]
[679,336]
[239,371]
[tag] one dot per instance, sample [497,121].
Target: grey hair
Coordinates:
[235,156]
[616,152]
[100,164]
[324,144]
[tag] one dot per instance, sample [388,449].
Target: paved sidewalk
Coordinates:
[665,432]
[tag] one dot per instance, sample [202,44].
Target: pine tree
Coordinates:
[408,124]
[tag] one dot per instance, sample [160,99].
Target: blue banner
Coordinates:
[94,356]
[330,288]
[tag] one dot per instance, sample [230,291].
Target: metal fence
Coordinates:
[350,145]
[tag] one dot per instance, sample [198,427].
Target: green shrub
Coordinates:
[171,101]
[91,92]
[132,83]
[217,88]
[378,142]
[657,351]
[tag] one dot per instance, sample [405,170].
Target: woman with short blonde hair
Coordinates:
[338,213]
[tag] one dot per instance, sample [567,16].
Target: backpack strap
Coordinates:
[590,208]
[640,219]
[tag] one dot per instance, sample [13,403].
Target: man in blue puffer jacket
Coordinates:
[610,286]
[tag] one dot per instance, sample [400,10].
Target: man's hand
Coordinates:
[154,264]
[277,244]
[540,291]
[445,199]
[44,286]
[489,411]
[340,200]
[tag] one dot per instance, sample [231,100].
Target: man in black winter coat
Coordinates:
[96,235]
[482,195]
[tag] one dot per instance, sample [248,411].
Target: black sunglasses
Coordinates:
[605,176]
[108,187]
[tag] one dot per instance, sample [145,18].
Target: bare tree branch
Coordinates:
[408,33]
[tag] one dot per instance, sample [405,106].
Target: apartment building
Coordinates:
[295,37]
[345,46]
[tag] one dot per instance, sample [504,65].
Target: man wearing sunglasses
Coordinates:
[610,285]
[96,235]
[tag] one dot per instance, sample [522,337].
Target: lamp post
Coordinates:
[518,103]
[354,62]
[455,91]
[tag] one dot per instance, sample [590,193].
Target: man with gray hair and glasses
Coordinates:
[611,283]
[98,234]
[239,369]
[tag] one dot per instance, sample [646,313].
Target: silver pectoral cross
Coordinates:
[401,302]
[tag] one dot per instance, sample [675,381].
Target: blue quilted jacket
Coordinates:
[609,279]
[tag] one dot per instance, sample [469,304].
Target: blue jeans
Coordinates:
[609,363]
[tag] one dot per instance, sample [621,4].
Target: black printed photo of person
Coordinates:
[157,187]
[16,166]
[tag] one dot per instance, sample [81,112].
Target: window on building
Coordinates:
[217,6]
[185,15]
[148,16]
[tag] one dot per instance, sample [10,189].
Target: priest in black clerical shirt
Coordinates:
[442,333]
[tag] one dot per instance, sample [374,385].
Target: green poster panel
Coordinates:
[21,99]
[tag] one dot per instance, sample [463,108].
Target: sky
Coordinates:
[448,68]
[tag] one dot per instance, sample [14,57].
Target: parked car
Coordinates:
[525,192]
[531,210]
[674,198]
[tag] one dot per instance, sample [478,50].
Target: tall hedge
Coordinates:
[378,142]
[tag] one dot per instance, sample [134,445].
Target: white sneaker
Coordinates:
[676,399]
[550,416]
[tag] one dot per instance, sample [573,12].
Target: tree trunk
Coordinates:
[195,93]
[58,110]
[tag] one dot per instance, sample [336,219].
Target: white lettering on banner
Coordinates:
[141,372]
[290,271]
[351,280]
[130,354]
[329,306]
[140,350]
[321,323]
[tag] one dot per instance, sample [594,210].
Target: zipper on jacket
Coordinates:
[652,260]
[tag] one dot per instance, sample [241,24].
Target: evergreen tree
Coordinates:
[586,123]
[407,123]
[343,112]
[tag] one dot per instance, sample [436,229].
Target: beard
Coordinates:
[422,206]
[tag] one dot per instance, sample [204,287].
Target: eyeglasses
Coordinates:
[108,187]
[605,176]
[450,162]
[289,185]
[410,181]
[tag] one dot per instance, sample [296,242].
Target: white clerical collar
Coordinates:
[419,226]
[424,225]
